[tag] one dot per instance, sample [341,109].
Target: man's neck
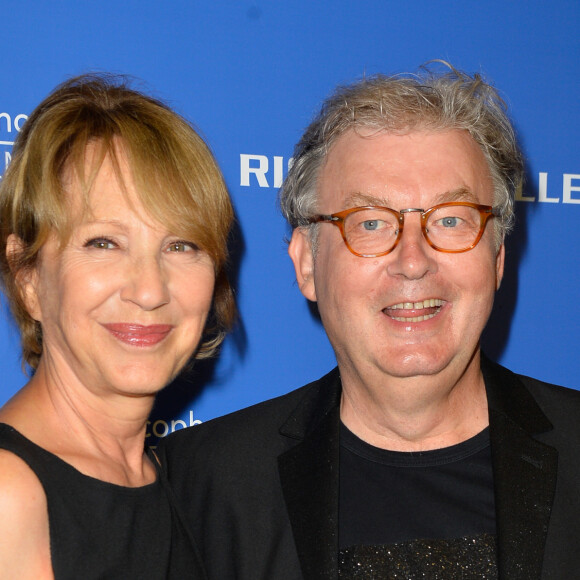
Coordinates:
[415,413]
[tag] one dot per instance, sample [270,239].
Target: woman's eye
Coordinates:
[182,247]
[101,244]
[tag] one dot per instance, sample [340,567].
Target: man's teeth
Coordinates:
[414,318]
[429,303]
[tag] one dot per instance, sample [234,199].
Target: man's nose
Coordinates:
[413,257]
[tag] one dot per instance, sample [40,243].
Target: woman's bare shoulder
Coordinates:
[24,530]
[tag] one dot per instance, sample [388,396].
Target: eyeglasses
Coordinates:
[373,231]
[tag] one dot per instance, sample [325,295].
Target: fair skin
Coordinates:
[122,308]
[408,383]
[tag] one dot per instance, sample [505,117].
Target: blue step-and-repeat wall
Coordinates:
[250,75]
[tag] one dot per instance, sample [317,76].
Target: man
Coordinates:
[416,457]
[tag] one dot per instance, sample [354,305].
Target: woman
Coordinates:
[114,222]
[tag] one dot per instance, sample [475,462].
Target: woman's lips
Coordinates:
[138,335]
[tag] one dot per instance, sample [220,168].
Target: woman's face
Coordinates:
[124,303]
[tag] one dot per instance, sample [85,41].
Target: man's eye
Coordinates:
[450,222]
[372,225]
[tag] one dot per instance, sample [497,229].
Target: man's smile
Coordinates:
[414,311]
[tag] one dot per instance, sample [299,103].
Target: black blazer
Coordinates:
[259,487]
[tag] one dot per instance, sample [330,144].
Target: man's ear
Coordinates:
[300,251]
[499,265]
[26,278]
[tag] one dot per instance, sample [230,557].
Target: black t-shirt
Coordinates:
[415,515]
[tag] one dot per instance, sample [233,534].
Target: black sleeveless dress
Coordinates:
[99,530]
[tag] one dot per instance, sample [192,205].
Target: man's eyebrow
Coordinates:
[459,194]
[358,199]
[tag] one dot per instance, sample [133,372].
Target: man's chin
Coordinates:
[425,364]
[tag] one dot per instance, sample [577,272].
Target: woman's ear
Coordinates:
[26,278]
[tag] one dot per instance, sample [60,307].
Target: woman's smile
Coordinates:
[139,335]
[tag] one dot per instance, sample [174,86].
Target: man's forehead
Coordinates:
[369,135]
[368,167]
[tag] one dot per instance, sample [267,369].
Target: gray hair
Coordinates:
[399,104]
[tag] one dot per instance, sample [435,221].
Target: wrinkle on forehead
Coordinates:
[359,199]
[79,176]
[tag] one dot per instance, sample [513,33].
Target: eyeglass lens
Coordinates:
[374,231]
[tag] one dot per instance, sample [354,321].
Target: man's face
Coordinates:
[364,302]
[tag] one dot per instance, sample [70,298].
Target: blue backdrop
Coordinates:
[250,75]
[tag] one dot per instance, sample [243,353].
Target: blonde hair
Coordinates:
[175,173]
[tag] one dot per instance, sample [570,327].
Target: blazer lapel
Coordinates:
[309,479]
[524,474]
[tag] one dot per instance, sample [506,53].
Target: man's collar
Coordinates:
[320,398]
[507,395]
